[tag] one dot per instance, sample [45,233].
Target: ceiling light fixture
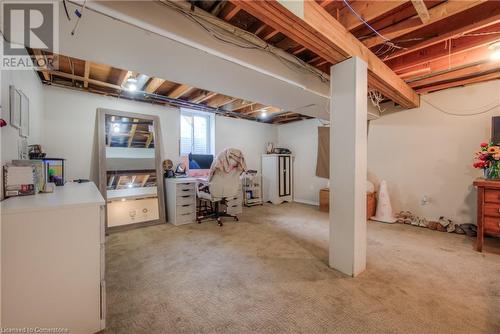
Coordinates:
[131,84]
[130,185]
[116,127]
[495,51]
[263,114]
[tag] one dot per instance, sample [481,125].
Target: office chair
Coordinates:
[223,183]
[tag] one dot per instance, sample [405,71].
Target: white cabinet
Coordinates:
[277,178]
[181,200]
[53,260]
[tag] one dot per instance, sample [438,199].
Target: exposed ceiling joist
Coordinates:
[328,38]
[86,75]
[368,10]
[203,97]
[454,74]
[133,129]
[422,11]
[153,85]
[42,63]
[220,100]
[443,50]
[437,13]
[491,19]
[232,13]
[82,79]
[472,56]
[179,91]
[467,81]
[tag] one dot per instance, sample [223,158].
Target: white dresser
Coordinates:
[277,178]
[181,200]
[53,260]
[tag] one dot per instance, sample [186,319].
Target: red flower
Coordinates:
[484,144]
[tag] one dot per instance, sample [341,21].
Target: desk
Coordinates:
[181,200]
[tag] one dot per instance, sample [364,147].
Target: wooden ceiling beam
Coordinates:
[205,95]
[79,78]
[179,91]
[443,50]
[133,129]
[232,13]
[42,63]
[462,82]
[220,100]
[153,85]
[86,75]
[329,39]
[422,11]
[472,56]
[455,74]
[491,19]
[437,13]
[368,10]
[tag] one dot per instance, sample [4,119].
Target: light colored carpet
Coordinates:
[268,273]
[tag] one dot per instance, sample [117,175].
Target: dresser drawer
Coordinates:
[186,208]
[492,196]
[492,225]
[186,199]
[185,218]
[491,210]
[185,191]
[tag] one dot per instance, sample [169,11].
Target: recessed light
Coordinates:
[131,84]
[495,51]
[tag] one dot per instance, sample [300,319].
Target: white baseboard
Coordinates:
[305,201]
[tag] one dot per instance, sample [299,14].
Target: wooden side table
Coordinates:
[488,210]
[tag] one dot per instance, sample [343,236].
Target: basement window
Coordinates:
[197,132]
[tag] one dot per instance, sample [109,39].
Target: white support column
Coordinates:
[348,156]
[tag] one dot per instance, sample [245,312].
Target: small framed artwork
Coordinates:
[24,131]
[15,107]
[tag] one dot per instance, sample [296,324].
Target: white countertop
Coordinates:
[131,193]
[71,194]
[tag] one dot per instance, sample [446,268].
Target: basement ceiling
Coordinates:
[431,45]
[70,72]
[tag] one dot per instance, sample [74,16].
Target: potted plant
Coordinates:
[488,159]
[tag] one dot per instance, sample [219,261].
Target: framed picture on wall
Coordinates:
[15,107]
[24,131]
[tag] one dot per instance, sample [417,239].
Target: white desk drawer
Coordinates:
[185,218]
[185,192]
[185,208]
[186,199]
[234,209]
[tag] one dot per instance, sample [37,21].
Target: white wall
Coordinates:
[427,152]
[29,83]
[302,139]
[248,136]
[70,127]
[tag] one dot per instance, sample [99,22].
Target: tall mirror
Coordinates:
[130,174]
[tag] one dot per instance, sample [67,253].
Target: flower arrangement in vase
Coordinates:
[488,159]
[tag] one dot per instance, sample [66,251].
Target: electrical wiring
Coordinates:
[474,112]
[360,18]
[79,14]
[233,38]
